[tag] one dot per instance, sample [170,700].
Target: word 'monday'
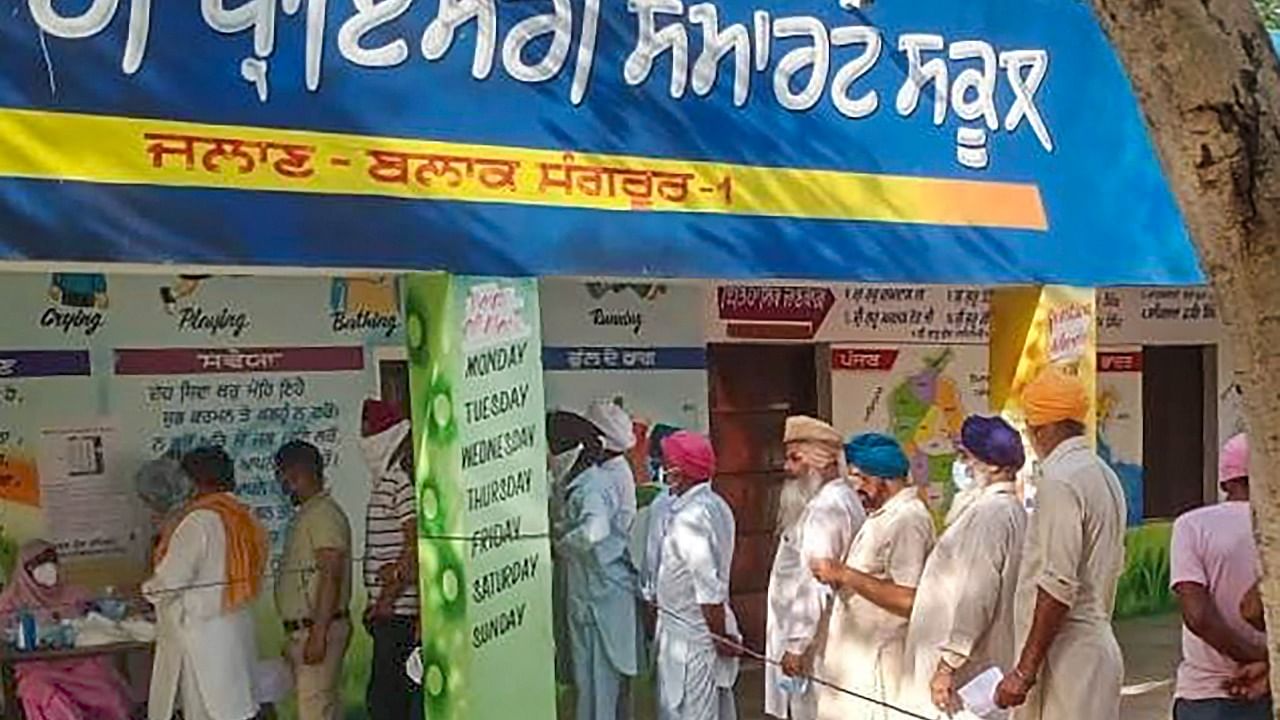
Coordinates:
[964,75]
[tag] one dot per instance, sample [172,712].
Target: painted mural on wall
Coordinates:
[1119,434]
[919,395]
[100,373]
[639,344]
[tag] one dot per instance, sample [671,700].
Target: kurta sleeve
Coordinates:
[1060,539]
[659,513]
[179,567]
[694,538]
[591,526]
[913,539]
[979,559]
[825,531]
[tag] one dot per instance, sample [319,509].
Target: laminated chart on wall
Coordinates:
[927,141]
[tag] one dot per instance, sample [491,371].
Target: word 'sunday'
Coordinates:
[661,31]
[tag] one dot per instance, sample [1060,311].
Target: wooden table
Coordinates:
[10,659]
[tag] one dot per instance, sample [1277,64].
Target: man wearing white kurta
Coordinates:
[1069,664]
[875,587]
[600,591]
[830,515]
[204,652]
[962,619]
[696,669]
[617,437]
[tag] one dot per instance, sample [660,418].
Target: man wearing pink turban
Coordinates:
[696,669]
[1213,563]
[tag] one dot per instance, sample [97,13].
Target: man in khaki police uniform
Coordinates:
[313,592]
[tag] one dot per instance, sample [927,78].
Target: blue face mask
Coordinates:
[961,476]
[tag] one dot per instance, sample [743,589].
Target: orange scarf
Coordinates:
[246,547]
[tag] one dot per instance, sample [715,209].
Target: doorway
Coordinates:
[1175,448]
[753,388]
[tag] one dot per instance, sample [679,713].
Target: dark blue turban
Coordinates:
[877,455]
[993,441]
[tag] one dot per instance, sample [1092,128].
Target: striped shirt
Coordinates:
[391,505]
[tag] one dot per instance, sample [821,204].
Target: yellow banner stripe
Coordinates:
[132,151]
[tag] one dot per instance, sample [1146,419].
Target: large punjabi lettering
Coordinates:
[965,75]
[816,57]
[291,160]
[559,25]
[369,16]
[93,20]
[920,73]
[1036,63]
[971,142]
[453,14]
[852,71]
[716,43]
[652,42]
[586,51]
[256,15]
[394,167]
[259,16]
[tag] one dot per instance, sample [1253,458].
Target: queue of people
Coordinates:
[869,611]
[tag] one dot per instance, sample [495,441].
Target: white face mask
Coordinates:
[46,574]
[560,465]
[962,476]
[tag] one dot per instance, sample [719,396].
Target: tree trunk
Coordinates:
[1206,76]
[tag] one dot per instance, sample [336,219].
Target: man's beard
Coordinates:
[795,497]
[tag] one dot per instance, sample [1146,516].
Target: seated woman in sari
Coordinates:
[80,689]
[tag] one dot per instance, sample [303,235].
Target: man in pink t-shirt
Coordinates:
[1214,563]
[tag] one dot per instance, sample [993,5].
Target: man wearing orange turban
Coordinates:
[1069,664]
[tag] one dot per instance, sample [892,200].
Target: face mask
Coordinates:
[560,465]
[961,477]
[377,449]
[45,575]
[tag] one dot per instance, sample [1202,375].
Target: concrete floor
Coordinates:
[1151,649]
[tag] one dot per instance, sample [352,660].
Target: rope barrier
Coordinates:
[698,626]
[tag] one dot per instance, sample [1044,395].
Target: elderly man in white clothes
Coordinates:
[697,633]
[962,619]
[209,567]
[819,515]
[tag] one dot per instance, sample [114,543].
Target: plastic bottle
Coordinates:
[28,640]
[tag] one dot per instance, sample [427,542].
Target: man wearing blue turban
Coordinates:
[875,586]
[962,621]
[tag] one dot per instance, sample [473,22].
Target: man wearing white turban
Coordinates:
[819,516]
[617,436]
